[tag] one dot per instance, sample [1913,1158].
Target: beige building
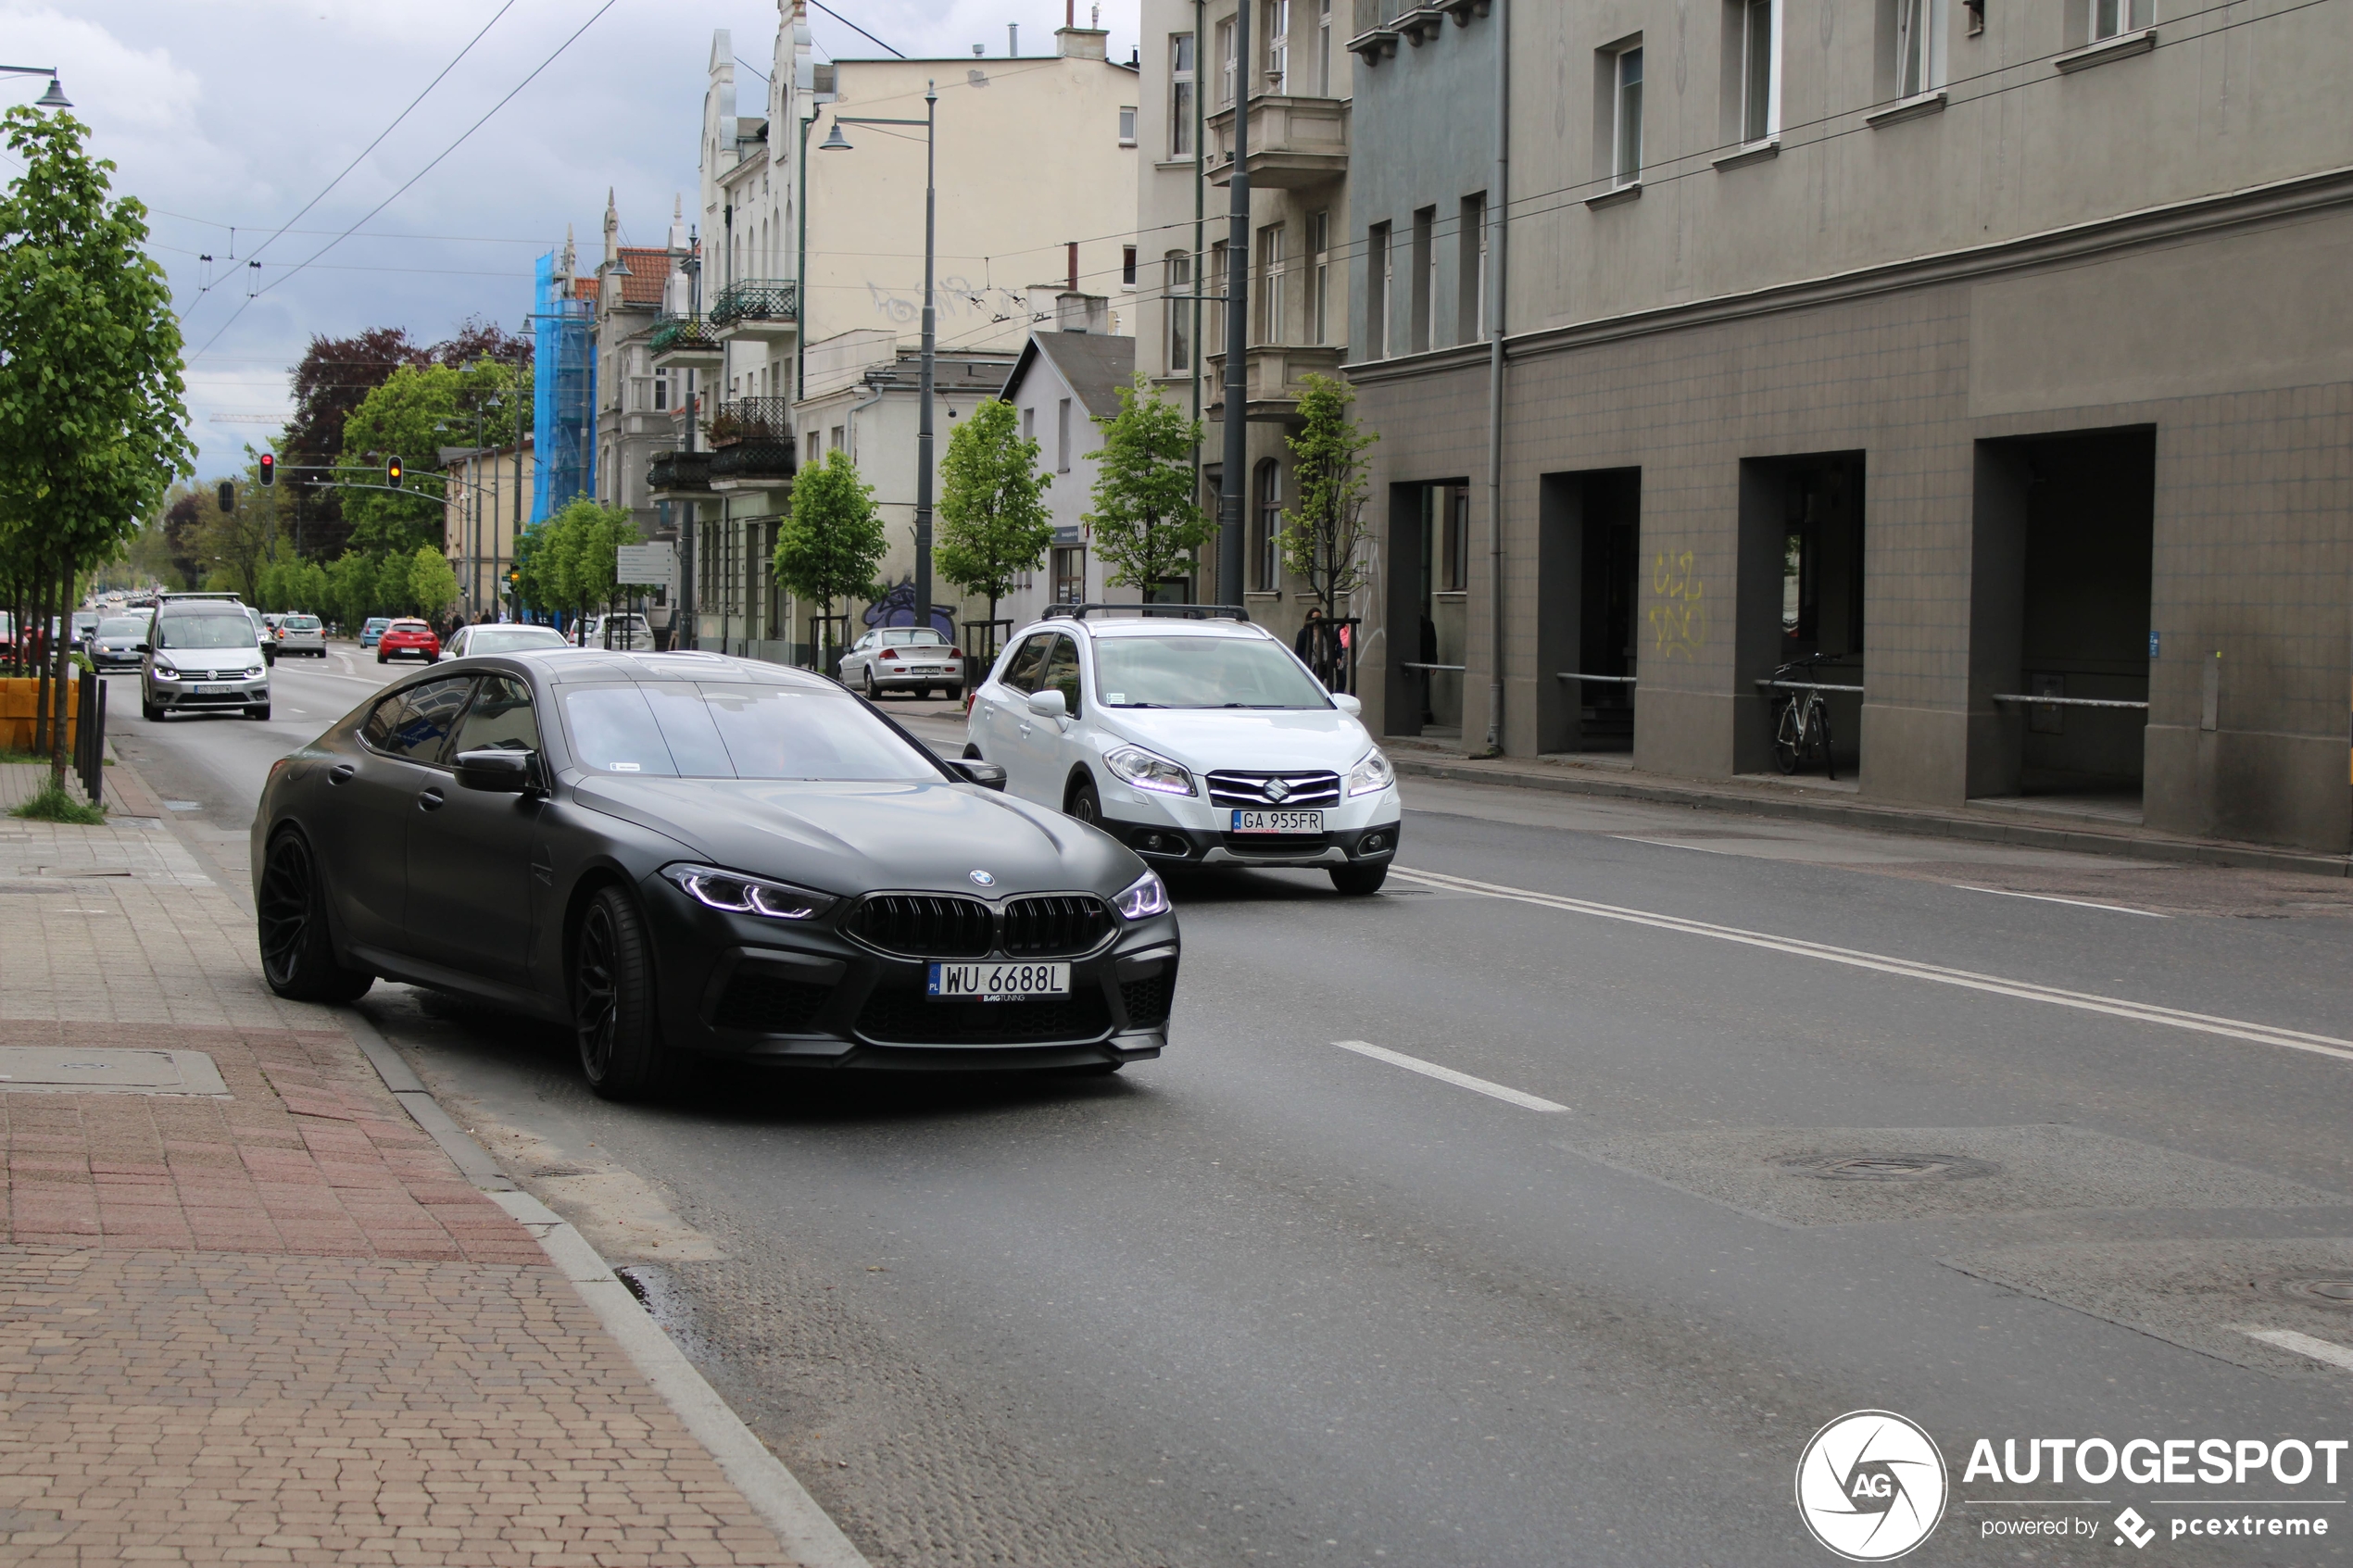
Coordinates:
[1295,90]
[487,505]
[1977,354]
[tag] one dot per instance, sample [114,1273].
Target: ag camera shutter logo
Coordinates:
[1871,1486]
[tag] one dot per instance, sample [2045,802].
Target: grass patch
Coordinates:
[53,804]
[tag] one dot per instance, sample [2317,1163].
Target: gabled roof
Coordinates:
[648,271]
[1093,365]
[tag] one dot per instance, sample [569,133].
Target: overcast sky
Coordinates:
[225,117]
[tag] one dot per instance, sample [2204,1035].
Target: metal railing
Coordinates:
[1457,669]
[763,456]
[2068,701]
[751,419]
[1770,684]
[757,299]
[679,471]
[90,736]
[672,332]
[1596,680]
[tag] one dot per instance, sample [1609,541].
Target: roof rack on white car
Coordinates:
[1187,612]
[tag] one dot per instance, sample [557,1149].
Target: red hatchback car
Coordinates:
[408,639]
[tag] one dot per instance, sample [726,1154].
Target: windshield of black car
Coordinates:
[728,729]
[126,626]
[186,631]
[1217,671]
[506,639]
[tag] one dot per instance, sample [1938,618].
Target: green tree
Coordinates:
[433,586]
[993,522]
[1324,536]
[351,589]
[236,545]
[831,545]
[407,417]
[292,582]
[1148,525]
[93,417]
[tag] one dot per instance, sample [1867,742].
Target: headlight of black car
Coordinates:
[740,895]
[1147,896]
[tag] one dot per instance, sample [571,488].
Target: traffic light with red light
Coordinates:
[392,473]
[269,470]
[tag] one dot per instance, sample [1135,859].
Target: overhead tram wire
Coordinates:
[428,169]
[370,147]
[854,26]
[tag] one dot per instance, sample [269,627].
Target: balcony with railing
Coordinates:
[1274,379]
[685,474]
[1294,143]
[763,309]
[685,342]
[752,447]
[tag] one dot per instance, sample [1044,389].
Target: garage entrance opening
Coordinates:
[2064,537]
[1429,543]
[1589,574]
[1801,599]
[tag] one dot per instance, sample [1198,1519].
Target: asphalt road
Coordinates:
[1750,1125]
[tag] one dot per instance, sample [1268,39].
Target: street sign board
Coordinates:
[650,566]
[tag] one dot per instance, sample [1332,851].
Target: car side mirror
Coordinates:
[987,775]
[495,771]
[1347,704]
[1049,704]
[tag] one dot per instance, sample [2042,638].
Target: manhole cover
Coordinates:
[84,1070]
[1888,1167]
[2336,1293]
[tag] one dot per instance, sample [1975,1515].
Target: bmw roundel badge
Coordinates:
[981,879]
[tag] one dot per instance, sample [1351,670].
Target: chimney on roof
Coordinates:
[1073,266]
[1012,39]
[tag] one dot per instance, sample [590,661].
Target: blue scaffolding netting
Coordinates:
[564,394]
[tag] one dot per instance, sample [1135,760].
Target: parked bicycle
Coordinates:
[1801,719]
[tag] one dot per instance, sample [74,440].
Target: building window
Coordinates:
[1216,292]
[1267,529]
[1453,572]
[1376,280]
[1226,64]
[1070,574]
[2113,18]
[1126,125]
[1180,311]
[662,392]
[1127,267]
[1424,333]
[1319,274]
[1277,34]
[1324,48]
[1061,436]
[1760,69]
[1628,146]
[835,444]
[1472,245]
[1920,47]
[1180,96]
[1270,283]
[1029,424]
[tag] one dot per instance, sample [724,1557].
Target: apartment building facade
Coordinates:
[1986,358]
[1292,97]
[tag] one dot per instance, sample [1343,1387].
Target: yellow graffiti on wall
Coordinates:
[1678,623]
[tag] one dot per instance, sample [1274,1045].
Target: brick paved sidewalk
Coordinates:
[277,1326]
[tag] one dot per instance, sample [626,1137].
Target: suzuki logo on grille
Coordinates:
[1277,790]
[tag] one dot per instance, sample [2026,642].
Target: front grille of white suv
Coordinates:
[1288,792]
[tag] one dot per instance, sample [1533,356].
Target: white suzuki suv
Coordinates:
[1200,740]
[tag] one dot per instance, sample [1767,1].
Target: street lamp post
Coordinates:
[837,143]
[55,98]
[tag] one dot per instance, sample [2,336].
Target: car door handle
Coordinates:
[342,773]
[430,800]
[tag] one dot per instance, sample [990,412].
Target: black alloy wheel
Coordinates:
[1357,881]
[612,1001]
[297,955]
[1085,804]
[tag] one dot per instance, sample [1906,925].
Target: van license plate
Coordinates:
[998,981]
[1277,821]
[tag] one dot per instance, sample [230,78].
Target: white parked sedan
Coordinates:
[904,658]
[1200,740]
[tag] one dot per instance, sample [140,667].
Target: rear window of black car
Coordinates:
[725,730]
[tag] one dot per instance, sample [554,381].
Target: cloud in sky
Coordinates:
[226,116]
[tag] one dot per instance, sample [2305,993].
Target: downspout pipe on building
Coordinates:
[1236,459]
[1498,208]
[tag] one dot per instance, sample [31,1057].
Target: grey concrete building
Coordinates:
[1981,351]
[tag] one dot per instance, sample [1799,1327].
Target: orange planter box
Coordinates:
[19,702]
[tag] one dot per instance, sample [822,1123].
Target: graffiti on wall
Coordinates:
[1679,620]
[958,300]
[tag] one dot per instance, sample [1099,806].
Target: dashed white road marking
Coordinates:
[1448,1076]
[1670,844]
[1912,969]
[2047,899]
[2325,1351]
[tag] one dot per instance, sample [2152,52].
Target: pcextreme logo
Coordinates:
[1871,1486]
